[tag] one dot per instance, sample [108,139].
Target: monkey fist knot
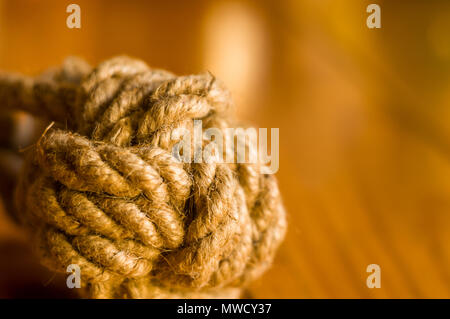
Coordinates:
[101,188]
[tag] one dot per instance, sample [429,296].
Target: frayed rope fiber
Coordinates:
[101,188]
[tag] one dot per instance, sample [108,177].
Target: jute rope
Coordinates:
[102,190]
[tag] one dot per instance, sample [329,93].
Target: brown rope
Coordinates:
[101,188]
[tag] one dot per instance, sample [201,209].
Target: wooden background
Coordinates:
[363,117]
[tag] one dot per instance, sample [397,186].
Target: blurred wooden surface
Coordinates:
[364,118]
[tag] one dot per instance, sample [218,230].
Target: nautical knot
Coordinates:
[101,188]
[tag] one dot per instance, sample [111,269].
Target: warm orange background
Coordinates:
[363,117]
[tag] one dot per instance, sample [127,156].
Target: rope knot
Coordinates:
[102,189]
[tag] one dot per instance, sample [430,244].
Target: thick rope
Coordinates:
[101,188]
